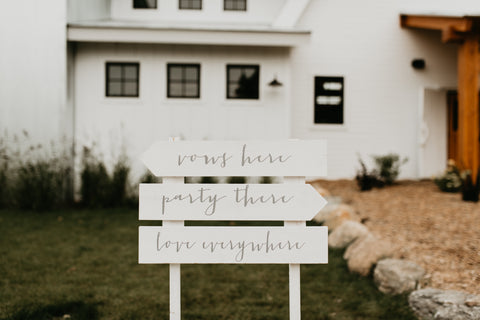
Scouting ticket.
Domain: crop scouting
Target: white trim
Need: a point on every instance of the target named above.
(254, 37)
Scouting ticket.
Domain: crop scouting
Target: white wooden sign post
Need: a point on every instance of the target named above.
(173, 202)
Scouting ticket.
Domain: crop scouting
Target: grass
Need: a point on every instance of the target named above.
(84, 264)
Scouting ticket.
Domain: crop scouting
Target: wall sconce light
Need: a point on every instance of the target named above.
(418, 64)
(275, 83)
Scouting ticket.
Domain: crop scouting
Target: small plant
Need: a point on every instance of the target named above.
(388, 167)
(450, 180)
(149, 177)
(208, 180)
(237, 180)
(366, 180)
(386, 171)
(266, 180)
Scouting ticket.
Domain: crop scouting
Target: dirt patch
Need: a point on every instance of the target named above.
(437, 230)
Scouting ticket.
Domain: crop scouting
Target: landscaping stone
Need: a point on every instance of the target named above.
(346, 233)
(364, 252)
(395, 276)
(332, 205)
(338, 216)
(321, 190)
(438, 304)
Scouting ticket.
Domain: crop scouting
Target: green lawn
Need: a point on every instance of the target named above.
(84, 264)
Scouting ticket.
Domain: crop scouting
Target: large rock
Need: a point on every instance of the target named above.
(321, 190)
(443, 305)
(332, 204)
(338, 216)
(364, 252)
(395, 276)
(346, 233)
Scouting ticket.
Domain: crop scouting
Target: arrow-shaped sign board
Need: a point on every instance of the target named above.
(285, 202)
(233, 245)
(235, 158)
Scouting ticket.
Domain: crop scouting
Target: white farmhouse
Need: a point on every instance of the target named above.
(370, 77)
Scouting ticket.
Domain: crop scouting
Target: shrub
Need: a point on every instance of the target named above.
(42, 184)
(208, 180)
(366, 180)
(149, 177)
(99, 189)
(237, 180)
(266, 180)
(450, 180)
(388, 167)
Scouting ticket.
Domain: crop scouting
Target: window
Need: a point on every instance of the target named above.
(242, 81)
(235, 5)
(183, 80)
(190, 4)
(329, 100)
(122, 79)
(145, 4)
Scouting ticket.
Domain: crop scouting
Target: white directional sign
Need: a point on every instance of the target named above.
(233, 158)
(233, 245)
(282, 202)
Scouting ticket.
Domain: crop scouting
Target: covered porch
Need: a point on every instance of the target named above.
(463, 117)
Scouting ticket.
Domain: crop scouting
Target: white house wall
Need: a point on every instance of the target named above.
(33, 70)
(363, 42)
(258, 12)
(79, 10)
(132, 124)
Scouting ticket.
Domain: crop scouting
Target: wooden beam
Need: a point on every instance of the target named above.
(468, 115)
(450, 35)
(458, 24)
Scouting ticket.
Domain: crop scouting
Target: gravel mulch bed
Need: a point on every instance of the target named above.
(436, 230)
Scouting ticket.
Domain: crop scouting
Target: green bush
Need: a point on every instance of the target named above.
(42, 185)
(236, 180)
(99, 189)
(366, 180)
(450, 180)
(208, 180)
(266, 180)
(388, 167)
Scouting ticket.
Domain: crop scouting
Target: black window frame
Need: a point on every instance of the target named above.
(328, 113)
(144, 8)
(183, 80)
(229, 81)
(235, 4)
(122, 80)
(190, 6)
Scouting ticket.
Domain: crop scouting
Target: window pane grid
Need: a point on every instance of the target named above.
(183, 81)
(236, 5)
(122, 79)
(144, 4)
(190, 4)
(243, 82)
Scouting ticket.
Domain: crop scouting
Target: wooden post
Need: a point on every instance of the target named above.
(468, 115)
(175, 271)
(294, 269)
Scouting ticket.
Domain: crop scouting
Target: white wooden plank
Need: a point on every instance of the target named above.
(295, 306)
(237, 158)
(233, 245)
(174, 269)
(229, 202)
